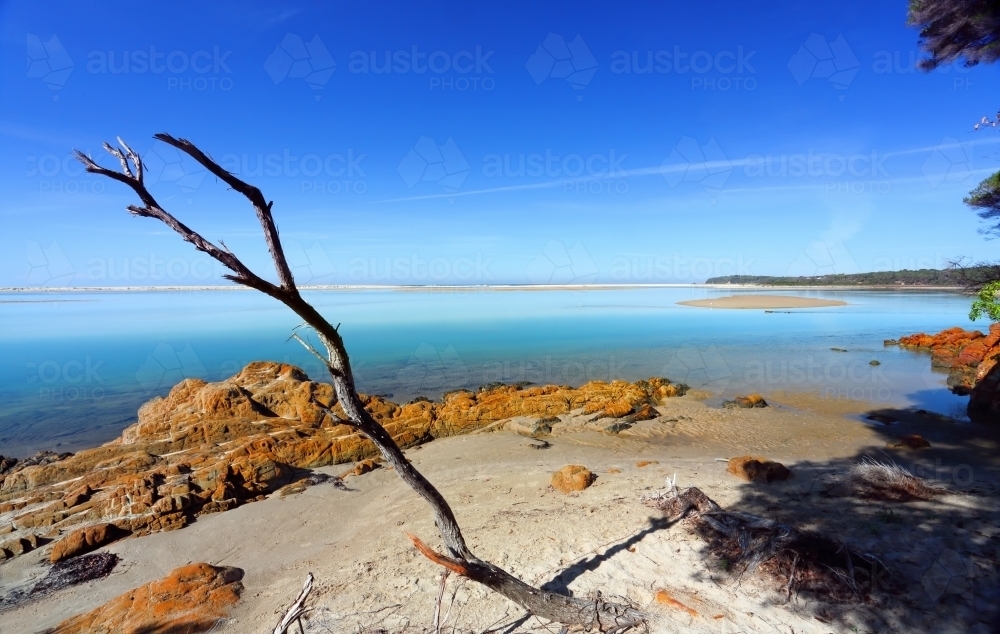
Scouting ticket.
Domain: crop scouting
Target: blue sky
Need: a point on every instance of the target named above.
(502, 143)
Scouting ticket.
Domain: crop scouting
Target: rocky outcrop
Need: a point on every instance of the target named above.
(209, 447)
(971, 360)
(572, 477)
(190, 599)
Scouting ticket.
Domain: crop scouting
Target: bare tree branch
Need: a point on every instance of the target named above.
(256, 198)
(555, 607)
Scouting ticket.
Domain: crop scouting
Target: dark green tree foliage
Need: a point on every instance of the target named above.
(952, 30)
(986, 199)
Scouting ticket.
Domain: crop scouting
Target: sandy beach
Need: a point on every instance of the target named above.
(751, 301)
(369, 578)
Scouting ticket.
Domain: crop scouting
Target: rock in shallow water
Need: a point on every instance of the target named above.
(745, 402)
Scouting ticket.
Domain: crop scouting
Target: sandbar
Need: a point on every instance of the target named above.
(762, 301)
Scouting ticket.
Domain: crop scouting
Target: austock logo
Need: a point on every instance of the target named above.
(823, 258)
(309, 61)
(951, 573)
(556, 264)
(949, 162)
(165, 164)
(310, 264)
(819, 59)
(705, 164)
(48, 266)
(700, 367)
(165, 367)
(555, 58)
(49, 62)
(429, 162)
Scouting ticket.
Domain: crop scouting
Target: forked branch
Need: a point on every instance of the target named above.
(555, 607)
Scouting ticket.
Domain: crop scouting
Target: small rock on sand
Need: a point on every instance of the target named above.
(572, 477)
(755, 469)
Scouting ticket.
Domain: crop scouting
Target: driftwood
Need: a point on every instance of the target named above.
(807, 560)
(460, 559)
(295, 611)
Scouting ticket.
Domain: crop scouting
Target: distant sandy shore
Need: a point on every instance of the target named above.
(762, 301)
(464, 288)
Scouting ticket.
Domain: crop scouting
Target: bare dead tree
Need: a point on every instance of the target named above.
(593, 614)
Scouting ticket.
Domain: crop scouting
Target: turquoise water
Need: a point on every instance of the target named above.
(75, 367)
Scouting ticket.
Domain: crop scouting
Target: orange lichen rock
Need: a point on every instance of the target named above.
(646, 463)
(572, 478)
(210, 447)
(84, 540)
(753, 469)
(190, 599)
(970, 358)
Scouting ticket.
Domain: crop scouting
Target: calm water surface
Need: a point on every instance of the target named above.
(75, 367)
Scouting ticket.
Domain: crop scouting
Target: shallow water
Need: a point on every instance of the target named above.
(75, 367)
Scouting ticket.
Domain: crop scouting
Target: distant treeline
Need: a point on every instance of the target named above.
(922, 277)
